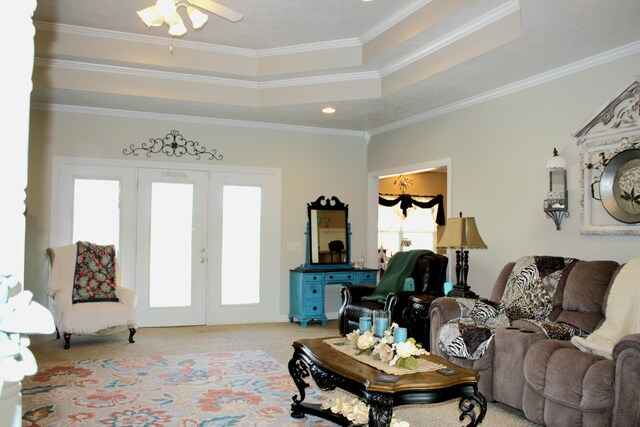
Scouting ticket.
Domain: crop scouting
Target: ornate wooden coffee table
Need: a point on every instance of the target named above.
(331, 369)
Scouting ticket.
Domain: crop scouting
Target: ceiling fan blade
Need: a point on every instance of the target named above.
(218, 9)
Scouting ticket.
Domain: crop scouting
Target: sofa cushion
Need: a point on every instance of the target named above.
(586, 285)
(584, 294)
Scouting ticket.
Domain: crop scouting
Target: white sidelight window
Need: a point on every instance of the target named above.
(96, 211)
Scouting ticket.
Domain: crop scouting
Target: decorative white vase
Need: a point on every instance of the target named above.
(11, 404)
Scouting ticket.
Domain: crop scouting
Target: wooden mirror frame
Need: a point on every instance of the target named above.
(333, 209)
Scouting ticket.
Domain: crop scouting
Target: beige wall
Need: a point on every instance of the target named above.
(499, 150)
(311, 165)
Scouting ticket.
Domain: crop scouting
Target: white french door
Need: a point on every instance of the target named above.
(172, 247)
(199, 245)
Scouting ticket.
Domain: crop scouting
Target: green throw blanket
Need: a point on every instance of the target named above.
(400, 267)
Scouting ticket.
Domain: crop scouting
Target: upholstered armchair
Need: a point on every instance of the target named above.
(428, 274)
(88, 311)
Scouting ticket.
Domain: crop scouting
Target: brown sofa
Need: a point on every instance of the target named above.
(551, 381)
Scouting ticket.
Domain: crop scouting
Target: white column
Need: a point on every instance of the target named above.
(17, 33)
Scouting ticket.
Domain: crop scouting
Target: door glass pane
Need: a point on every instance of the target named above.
(96, 211)
(241, 237)
(170, 244)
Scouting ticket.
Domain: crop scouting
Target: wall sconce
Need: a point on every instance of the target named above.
(556, 205)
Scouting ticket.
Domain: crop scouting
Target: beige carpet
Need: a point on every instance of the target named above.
(273, 338)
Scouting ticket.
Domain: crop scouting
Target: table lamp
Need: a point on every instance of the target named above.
(461, 234)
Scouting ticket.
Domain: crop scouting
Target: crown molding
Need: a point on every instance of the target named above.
(575, 67)
(362, 135)
(143, 72)
(329, 78)
(392, 20)
(205, 47)
(196, 78)
(154, 40)
(465, 30)
(309, 47)
(585, 64)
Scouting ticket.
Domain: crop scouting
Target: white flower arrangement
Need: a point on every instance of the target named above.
(402, 354)
(19, 316)
(355, 411)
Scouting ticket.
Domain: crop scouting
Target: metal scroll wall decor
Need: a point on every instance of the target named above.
(173, 145)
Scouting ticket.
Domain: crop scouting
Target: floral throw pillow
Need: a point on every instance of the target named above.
(95, 274)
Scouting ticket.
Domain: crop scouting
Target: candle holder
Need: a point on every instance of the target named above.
(365, 324)
(381, 322)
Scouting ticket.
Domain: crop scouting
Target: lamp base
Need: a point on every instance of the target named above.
(462, 292)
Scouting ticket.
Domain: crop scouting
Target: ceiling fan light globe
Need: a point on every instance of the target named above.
(174, 20)
(198, 19)
(177, 28)
(166, 8)
(151, 17)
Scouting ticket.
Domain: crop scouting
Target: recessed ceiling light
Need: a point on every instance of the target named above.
(328, 110)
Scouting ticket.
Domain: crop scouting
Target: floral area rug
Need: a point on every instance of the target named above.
(247, 388)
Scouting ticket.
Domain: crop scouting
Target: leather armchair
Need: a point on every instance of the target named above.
(428, 275)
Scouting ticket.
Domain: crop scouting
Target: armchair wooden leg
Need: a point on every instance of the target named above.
(67, 341)
(57, 334)
(132, 332)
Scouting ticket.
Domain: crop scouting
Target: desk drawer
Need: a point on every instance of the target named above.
(366, 277)
(315, 277)
(313, 307)
(312, 290)
(339, 277)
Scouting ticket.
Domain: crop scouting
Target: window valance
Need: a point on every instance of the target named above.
(407, 201)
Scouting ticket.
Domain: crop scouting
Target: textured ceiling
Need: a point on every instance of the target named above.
(380, 63)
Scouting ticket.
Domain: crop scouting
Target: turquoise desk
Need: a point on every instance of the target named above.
(306, 289)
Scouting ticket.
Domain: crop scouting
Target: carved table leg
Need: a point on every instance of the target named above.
(132, 332)
(468, 405)
(380, 410)
(298, 371)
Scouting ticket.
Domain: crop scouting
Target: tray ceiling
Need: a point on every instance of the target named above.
(380, 63)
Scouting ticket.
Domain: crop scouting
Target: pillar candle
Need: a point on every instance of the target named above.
(400, 335)
(381, 326)
(365, 324)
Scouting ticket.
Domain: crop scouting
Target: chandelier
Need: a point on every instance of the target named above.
(166, 12)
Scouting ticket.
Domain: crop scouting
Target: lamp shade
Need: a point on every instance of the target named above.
(556, 162)
(461, 233)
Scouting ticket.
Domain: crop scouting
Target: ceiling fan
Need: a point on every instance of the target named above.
(166, 11)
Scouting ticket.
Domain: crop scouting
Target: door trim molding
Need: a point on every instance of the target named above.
(372, 197)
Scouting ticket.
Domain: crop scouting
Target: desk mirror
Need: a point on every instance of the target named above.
(328, 234)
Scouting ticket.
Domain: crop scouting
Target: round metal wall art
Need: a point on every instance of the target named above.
(620, 186)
